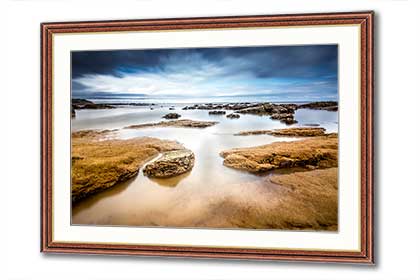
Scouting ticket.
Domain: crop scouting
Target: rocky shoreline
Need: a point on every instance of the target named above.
(283, 112)
(99, 164)
(301, 174)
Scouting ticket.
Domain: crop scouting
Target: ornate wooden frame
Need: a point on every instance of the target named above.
(364, 19)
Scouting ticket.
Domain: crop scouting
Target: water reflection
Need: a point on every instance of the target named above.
(170, 182)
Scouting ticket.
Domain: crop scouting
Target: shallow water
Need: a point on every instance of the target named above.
(190, 199)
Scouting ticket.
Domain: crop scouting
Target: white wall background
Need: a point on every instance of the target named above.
(397, 151)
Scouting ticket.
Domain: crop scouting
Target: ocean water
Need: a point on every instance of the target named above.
(191, 199)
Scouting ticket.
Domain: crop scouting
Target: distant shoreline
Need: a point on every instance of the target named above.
(132, 102)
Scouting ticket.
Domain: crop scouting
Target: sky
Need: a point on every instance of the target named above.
(279, 73)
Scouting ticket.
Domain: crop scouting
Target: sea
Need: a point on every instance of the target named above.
(193, 198)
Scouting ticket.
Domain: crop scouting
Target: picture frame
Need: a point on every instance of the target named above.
(58, 39)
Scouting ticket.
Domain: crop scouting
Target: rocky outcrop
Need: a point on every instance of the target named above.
(256, 107)
(170, 164)
(320, 152)
(171, 116)
(217, 112)
(287, 118)
(78, 103)
(139, 104)
(91, 134)
(233, 116)
(281, 112)
(226, 106)
(321, 105)
(99, 165)
(174, 123)
(268, 109)
(292, 132)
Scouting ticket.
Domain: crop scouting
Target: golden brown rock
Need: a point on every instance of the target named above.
(293, 132)
(170, 164)
(98, 165)
(174, 123)
(317, 151)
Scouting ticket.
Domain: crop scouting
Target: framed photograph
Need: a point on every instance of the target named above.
(231, 137)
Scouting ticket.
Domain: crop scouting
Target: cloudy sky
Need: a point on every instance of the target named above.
(281, 73)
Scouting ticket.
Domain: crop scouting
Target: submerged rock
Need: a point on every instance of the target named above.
(170, 164)
(171, 116)
(217, 112)
(311, 124)
(293, 132)
(174, 123)
(233, 116)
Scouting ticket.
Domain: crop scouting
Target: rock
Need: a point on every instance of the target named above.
(217, 112)
(322, 105)
(171, 108)
(194, 107)
(139, 104)
(314, 193)
(91, 134)
(311, 167)
(170, 164)
(171, 116)
(78, 103)
(292, 132)
(256, 110)
(287, 118)
(319, 151)
(101, 164)
(299, 132)
(174, 123)
(233, 116)
(269, 109)
(213, 106)
(282, 112)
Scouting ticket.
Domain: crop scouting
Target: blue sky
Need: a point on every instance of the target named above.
(281, 73)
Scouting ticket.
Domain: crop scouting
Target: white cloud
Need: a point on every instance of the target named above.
(194, 76)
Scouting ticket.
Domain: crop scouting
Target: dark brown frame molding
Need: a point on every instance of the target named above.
(364, 19)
